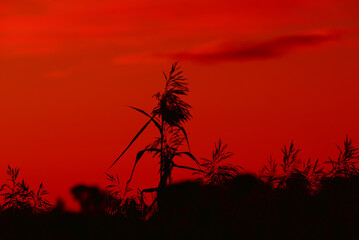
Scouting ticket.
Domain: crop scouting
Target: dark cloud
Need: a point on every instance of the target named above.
(263, 50)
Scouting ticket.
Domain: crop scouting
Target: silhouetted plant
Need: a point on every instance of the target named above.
(134, 207)
(310, 172)
(40, 204)
(270, 173)
(170, 107)
(18, 196)
(214, 171)
(345, 164)
(289, 158)
(115, 195)
(119, 202)
(91, 199)
(169, 115)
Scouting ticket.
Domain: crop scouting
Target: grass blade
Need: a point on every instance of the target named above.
(189, 155)
(148, 115)
(189, 168)
(139, 156)
(132, 141)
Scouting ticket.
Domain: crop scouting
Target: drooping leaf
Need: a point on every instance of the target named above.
(185, 135)
(189, 168)
(138, 157)
(151, 117)
(132, 141)
(189, 155)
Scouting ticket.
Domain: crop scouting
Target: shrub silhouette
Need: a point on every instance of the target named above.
(91, 199)
(345, 164)
(214, 170)
(119, 202)
(18, 196)
(308, 172)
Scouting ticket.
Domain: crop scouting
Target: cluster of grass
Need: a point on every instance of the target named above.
(18, 196)
(169, 117)
(312, 173)
(290, 170)
(289, 199)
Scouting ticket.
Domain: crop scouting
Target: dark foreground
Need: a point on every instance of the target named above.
(243, 208)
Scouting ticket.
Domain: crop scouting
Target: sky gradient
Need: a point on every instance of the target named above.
(261, 73)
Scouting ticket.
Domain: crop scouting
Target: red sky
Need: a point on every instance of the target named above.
(261, 73)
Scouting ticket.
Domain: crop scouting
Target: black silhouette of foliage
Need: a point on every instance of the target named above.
(119, 202)
(40, 203)
(346, 163)
(288, 164)
(18, 196)
(289, 157)
(170, 107)
(166, 149)
(172, 113)
(309, 202)
(90, 198)
(270, 171)
(313, 172)
(310, 172)
(114, 201)
(169, 115)
(214, 170)
(114, 187)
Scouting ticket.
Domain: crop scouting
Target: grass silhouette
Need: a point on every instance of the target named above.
(17, 195)
(290, 198)
(311, 172)
(345, 164)
(119, 202)
(169, 116)
(214, 171)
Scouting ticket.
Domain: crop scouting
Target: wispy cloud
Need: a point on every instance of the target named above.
(272, 48)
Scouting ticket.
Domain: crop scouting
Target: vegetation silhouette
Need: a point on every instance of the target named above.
(169, 116)
(118, 202)
(17, 195)
(214, 171)
(91, 199)
(345, 165)
(291, 198)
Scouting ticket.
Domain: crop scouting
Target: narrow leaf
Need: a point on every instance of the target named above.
(189, 168)
(148, 115)
(139, 156)
(185, 135)
(189, 155)
(133, 140)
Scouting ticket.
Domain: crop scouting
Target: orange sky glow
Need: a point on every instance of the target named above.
(260, 73)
